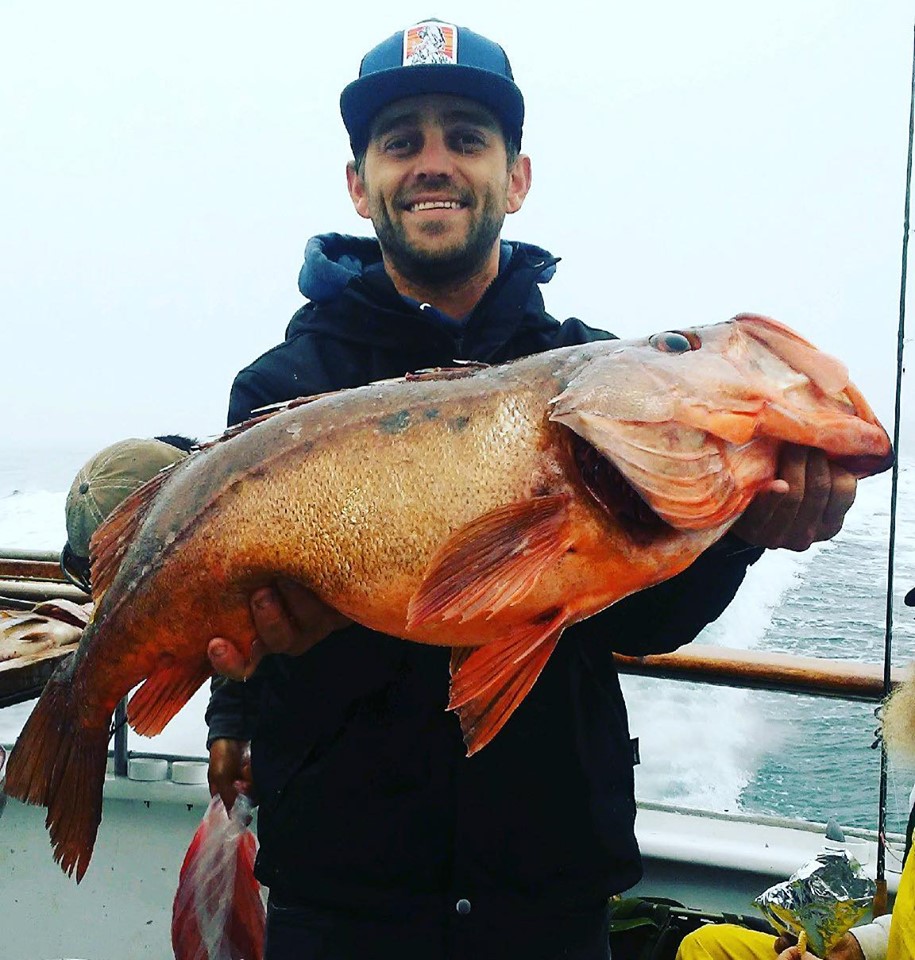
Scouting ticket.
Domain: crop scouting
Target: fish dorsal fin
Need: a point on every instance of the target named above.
(113, 538)
(493, 561)
(828, 373)
(263, 413)
(488, 683)
(466, 369)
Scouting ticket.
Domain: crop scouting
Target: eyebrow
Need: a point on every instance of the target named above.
(479, 118)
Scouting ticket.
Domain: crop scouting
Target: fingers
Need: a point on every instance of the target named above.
(275, 627)
(841, 497)
(288, 618)
(807, 503)
(313, 619)
(794, 520)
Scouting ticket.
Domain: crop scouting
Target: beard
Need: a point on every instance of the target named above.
(447, 264)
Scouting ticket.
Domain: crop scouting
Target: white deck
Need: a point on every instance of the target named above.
(122, 909)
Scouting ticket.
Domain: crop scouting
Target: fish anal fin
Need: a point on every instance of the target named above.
(164, 693)
(459, 656)
(493, 562)
(491, 682)
(113, 538)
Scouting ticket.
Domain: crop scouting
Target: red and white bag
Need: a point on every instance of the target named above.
(218, 913)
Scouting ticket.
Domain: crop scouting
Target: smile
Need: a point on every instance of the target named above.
(435, 205)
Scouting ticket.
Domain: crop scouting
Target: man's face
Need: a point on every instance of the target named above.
(436, 185)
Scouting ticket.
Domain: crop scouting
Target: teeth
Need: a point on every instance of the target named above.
(437, 205)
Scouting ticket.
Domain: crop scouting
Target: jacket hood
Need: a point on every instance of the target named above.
(334, 260)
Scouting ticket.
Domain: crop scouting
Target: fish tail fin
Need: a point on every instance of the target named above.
(60, 764)
(30, 773)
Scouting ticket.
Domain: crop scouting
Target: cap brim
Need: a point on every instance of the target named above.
(362, 99)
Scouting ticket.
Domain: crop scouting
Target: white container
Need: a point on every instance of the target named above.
(189, 771)
(147, 769)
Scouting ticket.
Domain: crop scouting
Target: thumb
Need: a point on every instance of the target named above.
(227, 660)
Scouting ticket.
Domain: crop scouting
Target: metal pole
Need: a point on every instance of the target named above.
(120, 739)
(880, 902)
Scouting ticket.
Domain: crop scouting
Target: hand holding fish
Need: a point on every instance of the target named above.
(805, 504)
(289, 619)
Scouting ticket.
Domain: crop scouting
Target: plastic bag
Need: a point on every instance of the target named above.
(218, 913)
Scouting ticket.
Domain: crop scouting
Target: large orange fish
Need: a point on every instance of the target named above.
(483, 509)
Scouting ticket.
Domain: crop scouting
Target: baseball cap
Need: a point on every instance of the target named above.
(107, 479)
(432, 57)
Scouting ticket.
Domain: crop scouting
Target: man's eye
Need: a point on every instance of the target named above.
(401, 144)
(469, 141)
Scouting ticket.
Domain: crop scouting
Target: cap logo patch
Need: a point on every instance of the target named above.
(430, 42)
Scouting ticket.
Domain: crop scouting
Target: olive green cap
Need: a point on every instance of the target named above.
(107, 479)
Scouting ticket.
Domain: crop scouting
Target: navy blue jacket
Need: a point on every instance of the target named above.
(369, 806)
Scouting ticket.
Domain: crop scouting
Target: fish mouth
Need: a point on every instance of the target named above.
(614, 494)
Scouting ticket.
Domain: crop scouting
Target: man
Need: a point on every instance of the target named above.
(379, 837)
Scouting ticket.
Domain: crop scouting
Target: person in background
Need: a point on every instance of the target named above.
(101, 484)
(890, 937)
(730, 942)
(379, 838)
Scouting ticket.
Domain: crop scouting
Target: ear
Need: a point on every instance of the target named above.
(356, 186)
(519, 182)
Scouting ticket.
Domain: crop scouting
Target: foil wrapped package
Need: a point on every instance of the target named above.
(825, 898)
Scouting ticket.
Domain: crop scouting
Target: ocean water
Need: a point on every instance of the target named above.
(707, 747)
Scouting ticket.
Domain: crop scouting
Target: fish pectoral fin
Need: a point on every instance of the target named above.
(489, 683)
(493, 561)
(164, 693)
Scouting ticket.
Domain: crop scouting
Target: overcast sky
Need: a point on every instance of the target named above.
(162, 166)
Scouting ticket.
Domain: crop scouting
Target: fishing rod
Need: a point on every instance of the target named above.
(880, 900)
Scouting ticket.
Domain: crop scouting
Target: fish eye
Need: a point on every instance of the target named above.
(672, 342)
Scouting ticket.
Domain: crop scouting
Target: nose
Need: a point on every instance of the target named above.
(435, 159)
